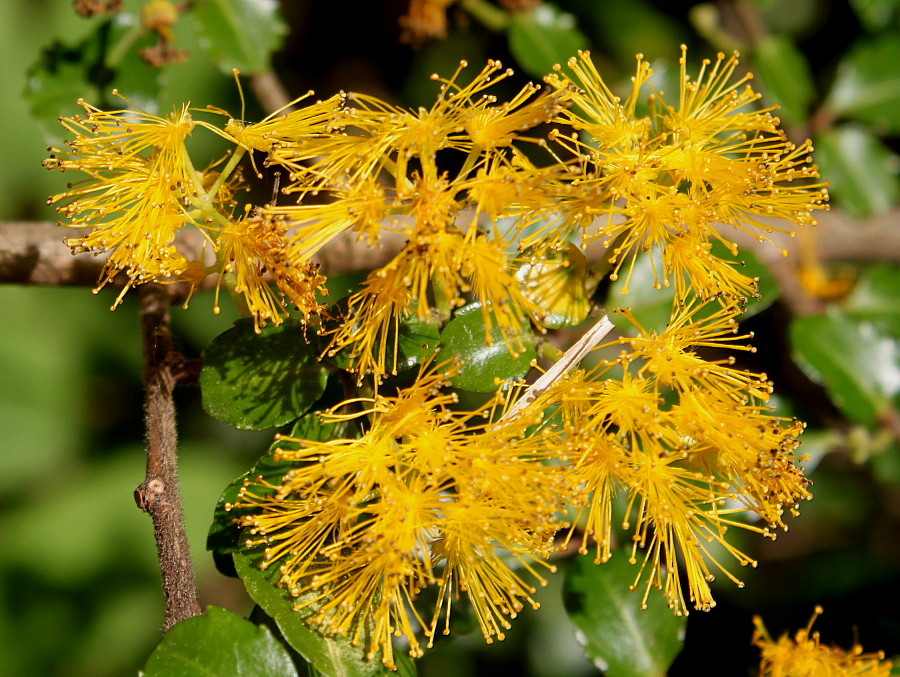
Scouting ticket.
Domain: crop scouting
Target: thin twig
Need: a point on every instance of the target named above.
(568, 361)
(158, 495)
(269, 91)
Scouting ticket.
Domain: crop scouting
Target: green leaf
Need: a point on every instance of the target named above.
(107, 58)
(482, 363)
(240, 34)
(330, 656)
(786, 77)
(874, 298)
(865, 88)
(219, 643)
(875, 14)
(620, 27)
(620, 638)
(224, 535)
(859, 366)
(543, 37)
(861, 171)
(255, 381)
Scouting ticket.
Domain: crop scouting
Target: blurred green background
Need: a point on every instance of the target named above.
(78, 574)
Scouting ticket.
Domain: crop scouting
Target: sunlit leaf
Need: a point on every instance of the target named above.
(862, 172)
(874, 298)
(240, 34)
(106, 59)
(542, 37)
(786, 77)
(219, 643)
(255, 381)
(481, 363)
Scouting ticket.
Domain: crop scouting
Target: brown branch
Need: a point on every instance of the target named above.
(158, 495)
(269, 91)
(34, 253)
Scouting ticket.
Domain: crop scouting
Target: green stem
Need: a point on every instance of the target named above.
(441, 300)
(226, 172)
(471, 158)
(240, 302)
(120, 49)
(489, 15)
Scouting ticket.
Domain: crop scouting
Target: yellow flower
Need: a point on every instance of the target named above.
(381, 173)
(670, 356)
(295, 131)
(428, 496)
(675, 176)
(135, 196)
(805, 656)
(687, 442)
(251, 250)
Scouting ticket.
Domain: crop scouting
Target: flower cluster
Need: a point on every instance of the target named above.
(690, 444)
(382, 169)
(668, 181)
(427, 496)
(493, 210)
(805, 656)
(142, 190)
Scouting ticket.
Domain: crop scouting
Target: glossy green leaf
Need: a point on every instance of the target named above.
(555, 283)
(858, 365)
(255, 381)
(224, 535)
(786, 77)
(875, 298)
(867, 87)
(240, 34)
(219, 643)
(618, 636)
(108, 58)
(861, 171)
(330, 656)
(481, 362)
(542, 37)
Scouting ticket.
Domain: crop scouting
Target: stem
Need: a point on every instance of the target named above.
(115, 55)
(236, 157)
(158, 494)
(568, 361)
(489, 15)
(442, 301)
